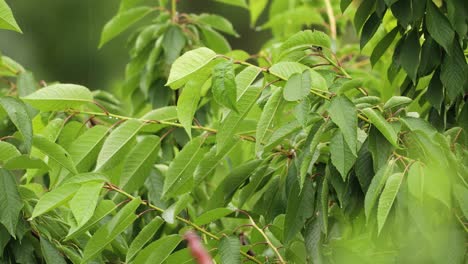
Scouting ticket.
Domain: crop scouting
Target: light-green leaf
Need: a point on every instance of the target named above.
(270, 111)
(117, 144)
(59, 97)
(10, 202)
(18, 114)
(395, 101)
(233, 119)
(188, 64)
(224, 85)
(55, 152)
(143, 237)
(7, 21)
(84, 202)
(376, 186)
(388, 197)
(382, 125)
(179, 177)
(8, 151)
(139, 162)
(122, 21)
(212, 215)
(305, 39)
(217, 22)
(54, 199)
(85, 149)
(344, 114)
(109, 231)
(284, 70)
(229, 249)
(245, 78)
(341, 155)
(256, 8)
(297, 87)
(158, 251)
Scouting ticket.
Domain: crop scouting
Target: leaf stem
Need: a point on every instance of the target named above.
(112, 187)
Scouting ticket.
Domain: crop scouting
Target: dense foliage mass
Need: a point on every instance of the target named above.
(316, 149)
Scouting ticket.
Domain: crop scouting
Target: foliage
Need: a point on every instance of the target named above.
(301, 153)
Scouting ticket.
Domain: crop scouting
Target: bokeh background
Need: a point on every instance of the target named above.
(60, 38)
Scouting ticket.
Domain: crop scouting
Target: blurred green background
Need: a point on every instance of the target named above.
(60, 38)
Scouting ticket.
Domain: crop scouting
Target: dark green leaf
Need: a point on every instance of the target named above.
(409, 56)
(383, 45)
(369, 29)
(439, 27)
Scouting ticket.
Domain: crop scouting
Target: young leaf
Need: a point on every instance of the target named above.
(342, 156)
(376, 186)
(158, 251)
(7, 21)
(187, 64)
(10, 202)
(117, 144)
(8, 151)
(84, 202)
(59, 97)
(139, 162)
(382, 125)
(18, 114)
(233, 119)
(245, 78)
(298, 86)
(143, 237)
(50, 253)
(344, 114)
(439, 27)
(54, 199)
(304, 40)
(224, 85)
(229, 249)
(179, 177)
(55, 152)
(269, 113)
(122, 21)
(212, 215)
(109, 231)
(387, 198)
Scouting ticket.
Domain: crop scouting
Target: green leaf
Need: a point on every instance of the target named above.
(224, 85)
(139, 162)
(143, 237)
(8, 151)
(50, 253)
(10, 202)
(256, 8)
(362, 13)
(415, 180)
(284, 70)
(229, 249)
(173, 43)
(232, 120)
(25, 83)
(342, 156)
(300, 207)
(7, 21)
(85, 149)
(84, 202)
(239, 3)
(369, 29)
(109, 231)
(214, 40)
(127, 4)
(59, 97)
(323, 210)
(395, 101)
(383, 45)
(304, 40)
(117, 144)
(376, 187)
(410, 54)
(179, 177)
(344, 114)
(158, 251)
(388, 197)
(298, 86)
(54, 199)
(169, 214)
(454, 72)
(439, 27)
(188, 64)
(382, 125)
(228, 187)
(87, 177)
(269, 113)
(122, 21)
(280, 134)
(212, 215)
(167, 113)
(18, 114)
(55, 152)
(245, 78)
(24, 162)
(217, 22)
(309, 155)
